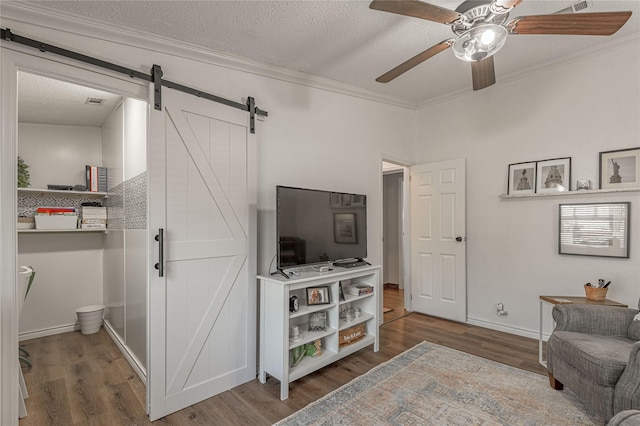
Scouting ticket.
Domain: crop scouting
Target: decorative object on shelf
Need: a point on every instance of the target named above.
(351, 335)
(522, 178)
(294, 333)
(553, 175)
(342, 298)
(620, 168)
(350, 314)
(318, 321)
(24, 178)
(583, 184)
(294, 303)
(594, 229)
(344, 228)
(308, 349)
(318, 295)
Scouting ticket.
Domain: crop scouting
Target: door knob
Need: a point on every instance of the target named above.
(459, 239)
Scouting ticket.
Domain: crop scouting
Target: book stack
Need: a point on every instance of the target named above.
(359, 289)
(93, 218)
(96, 178)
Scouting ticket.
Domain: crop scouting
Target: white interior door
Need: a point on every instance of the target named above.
(202, 312)
(438, 247)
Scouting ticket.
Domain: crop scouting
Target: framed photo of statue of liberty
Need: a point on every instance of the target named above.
(522, 178)
(620, 168)
(553, 175)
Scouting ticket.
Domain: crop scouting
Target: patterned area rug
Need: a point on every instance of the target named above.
(433, 385)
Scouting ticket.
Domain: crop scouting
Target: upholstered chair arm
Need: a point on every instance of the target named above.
(593, 319)
(627, 392)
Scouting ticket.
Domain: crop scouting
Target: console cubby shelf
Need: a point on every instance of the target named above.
(568, 193)
(306, 310)
(276, 320)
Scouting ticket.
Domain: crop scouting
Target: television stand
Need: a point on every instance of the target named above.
(351, 263)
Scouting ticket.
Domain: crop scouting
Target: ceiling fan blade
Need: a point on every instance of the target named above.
(416, 60)
(417, 9)
(599, 23)
(483, 73)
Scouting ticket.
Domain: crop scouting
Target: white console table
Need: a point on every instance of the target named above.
(276, 320)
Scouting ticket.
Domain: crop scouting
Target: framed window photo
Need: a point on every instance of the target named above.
(344, 228)
(318, 321)
(318, 295)
(553, 175)
(522, 178)
(620, 169)
(595, 229)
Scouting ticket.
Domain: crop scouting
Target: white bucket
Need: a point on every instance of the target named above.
(90, 318)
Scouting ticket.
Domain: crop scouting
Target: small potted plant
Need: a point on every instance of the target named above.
(24, 179)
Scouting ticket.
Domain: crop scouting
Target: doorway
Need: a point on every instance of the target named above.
(69, 261)
(394, 266)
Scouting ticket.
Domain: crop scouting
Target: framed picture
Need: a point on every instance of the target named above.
(318, 295)
(318, 321)
(344, 228)
(553, 175)
(522, 178)
(594, 229)
(620, 169)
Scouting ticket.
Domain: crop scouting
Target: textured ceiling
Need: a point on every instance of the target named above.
(46, 101)
(343, 41)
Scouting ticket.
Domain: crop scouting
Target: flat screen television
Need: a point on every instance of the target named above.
(315, 226)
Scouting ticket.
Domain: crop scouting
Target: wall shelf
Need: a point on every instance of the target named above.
(568, 193)
(44, 192)
(43, 231)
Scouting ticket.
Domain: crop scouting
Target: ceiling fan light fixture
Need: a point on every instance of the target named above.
(480, 42)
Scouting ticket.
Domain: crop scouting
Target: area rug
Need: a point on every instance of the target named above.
(434, 385)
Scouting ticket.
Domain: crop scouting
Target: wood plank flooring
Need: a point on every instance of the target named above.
(393, 298)
(84, 380)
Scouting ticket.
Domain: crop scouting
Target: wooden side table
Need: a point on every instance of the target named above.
(567, 300)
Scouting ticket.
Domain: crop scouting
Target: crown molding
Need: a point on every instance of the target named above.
(38, 16)
(577, 56)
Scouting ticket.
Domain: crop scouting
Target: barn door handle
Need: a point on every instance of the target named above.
(160, 265)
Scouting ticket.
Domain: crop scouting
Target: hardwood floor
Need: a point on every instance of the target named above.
(84, 380)
(393, 298)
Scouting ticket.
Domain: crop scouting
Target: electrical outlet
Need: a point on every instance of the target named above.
(500, 310)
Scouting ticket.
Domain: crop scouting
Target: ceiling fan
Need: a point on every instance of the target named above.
(481, 29)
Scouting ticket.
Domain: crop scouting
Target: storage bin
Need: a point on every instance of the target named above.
(60, 221)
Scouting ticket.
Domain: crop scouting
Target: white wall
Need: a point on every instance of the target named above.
(68, 149)
(575, 109)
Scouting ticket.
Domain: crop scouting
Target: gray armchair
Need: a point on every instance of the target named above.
(595, 352)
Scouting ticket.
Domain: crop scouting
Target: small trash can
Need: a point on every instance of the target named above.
(90, 318)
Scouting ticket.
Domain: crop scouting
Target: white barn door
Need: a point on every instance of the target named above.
(202, 193)
(438, 247)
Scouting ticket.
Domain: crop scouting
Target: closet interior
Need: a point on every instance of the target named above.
(62, 128)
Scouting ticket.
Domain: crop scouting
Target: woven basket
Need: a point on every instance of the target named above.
(595, 293)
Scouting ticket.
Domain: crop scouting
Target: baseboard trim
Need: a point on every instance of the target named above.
(129, 356)
(65, 328)
(532, 334)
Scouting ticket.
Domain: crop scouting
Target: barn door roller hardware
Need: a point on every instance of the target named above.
(155, 76)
